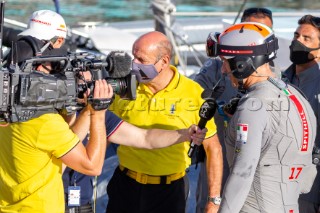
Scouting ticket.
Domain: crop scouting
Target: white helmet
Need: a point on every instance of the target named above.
(247, 46)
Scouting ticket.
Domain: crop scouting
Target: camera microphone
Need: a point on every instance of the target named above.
(119, 64)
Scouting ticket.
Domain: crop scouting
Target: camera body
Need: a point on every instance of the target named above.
(26, 93)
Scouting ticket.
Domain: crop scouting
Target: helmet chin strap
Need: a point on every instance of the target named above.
(241, 88)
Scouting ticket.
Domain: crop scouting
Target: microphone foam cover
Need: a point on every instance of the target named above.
(119, 64)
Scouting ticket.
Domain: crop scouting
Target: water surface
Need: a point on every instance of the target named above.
(123, 10)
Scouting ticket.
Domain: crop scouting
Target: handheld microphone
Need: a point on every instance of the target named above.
(206, 112)
(209, 107)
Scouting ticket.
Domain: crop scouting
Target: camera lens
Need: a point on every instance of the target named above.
(118, 85)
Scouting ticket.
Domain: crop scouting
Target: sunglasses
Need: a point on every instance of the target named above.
(214, 49)
(255, 10)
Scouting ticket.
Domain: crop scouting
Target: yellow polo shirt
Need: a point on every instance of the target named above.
(175, 107)
(30, 171)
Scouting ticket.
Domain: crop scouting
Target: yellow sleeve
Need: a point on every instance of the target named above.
(56, 137)
(212, 128)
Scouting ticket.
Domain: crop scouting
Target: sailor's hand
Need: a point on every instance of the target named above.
(196, 134)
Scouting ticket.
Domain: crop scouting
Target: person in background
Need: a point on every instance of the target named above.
(304, 73)
(153, 180)
(269, 157)
(208, 77)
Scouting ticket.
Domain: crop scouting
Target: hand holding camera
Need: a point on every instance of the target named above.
(102, 95)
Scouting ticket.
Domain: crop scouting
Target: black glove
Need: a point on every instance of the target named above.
(231, 107)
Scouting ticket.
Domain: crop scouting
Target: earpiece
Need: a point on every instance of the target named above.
(243, 66)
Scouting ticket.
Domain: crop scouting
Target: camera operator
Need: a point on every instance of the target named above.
(46, 30)
(33, 151)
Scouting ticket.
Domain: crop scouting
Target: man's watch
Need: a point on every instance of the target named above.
(214, 200)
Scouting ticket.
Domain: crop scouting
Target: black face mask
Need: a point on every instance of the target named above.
(299, 52)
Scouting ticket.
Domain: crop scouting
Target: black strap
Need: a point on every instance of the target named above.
(33, 43)
(70, 177)
(125, 170)
(163, 179)
(80, 209)
(101, 103)
(262, 49)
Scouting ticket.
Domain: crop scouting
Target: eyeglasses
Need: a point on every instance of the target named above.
(255, 10)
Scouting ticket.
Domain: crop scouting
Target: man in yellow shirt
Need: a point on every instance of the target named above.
(152, 180)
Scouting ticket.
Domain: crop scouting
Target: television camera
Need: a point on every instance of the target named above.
(26, 93)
